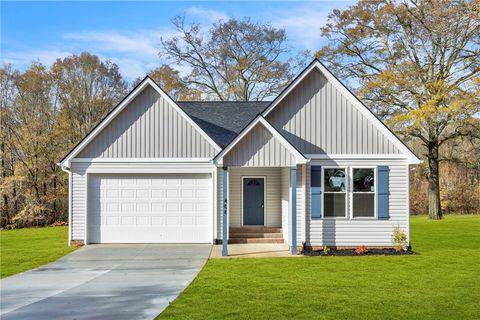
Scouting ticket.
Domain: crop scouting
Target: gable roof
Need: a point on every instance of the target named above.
(261, 120)
(222, 121)
(147, 81)
(354, 100)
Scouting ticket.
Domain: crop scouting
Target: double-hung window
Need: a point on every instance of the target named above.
(363, 192)
(335, 192)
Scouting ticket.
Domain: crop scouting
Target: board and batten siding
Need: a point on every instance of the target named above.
(149, 127)
(318, 119)
(259, 148)
(370, 231)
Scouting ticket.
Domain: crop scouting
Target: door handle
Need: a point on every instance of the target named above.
(262, 203)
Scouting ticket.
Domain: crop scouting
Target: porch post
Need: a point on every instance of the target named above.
(293, 182)
(224, 213)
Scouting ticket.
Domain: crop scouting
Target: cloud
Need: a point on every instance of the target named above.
(112, 41)
(134, 52)
(303, 23)
(207, 14)
(23, 59)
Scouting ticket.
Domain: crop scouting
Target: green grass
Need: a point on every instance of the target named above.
(24, 249)
(441, 282)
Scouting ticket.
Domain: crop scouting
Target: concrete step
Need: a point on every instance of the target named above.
(255, 229)
(255, 240)
(255, 235)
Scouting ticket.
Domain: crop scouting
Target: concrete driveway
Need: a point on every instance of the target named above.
(103, 282)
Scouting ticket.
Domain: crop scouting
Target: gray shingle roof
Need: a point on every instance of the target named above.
(222, 121)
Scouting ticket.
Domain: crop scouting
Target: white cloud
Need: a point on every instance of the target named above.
(134, 52)
(139, 44)
(206, 14)
(303, 23)
(23, 59)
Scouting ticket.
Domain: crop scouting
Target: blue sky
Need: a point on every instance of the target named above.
(128, 33)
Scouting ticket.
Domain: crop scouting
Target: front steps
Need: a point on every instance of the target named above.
(255, 235)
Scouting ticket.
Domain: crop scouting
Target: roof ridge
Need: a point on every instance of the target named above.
(233, 101)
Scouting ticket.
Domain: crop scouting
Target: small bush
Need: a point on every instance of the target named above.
(326, 250)
(399, 239)
(361, 250)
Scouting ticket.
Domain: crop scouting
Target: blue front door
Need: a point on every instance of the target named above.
(253, 201)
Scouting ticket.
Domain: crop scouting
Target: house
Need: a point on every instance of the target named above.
(312, 167)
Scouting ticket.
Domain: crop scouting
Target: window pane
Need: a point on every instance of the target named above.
(334, 180)
(363, 205)
(363, 180)
(334, 205)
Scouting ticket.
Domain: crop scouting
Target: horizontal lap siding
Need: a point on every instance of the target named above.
(149, 127)
(259, 148)
(372, 232)
(219, 202)
(300, 205)
(286, 203)
(79, 196)
(317, 119)
(273, 209)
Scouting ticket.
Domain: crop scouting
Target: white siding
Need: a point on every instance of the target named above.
(79, 179)
(79, 196)
(300, 206)
(370, 232)
(273, 209)
(149, 127)
(286, 218)
(317, 119)
(259, 148)
(219, 203)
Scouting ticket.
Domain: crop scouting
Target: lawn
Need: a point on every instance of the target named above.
(441, 282)
(24, 249)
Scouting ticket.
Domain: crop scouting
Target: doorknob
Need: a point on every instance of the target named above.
(262, 203)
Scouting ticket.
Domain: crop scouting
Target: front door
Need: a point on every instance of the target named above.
(253, 201)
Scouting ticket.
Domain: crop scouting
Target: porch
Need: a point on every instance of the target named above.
(258, 210)
(257, 185)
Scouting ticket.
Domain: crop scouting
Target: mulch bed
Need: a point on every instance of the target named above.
(351, 252)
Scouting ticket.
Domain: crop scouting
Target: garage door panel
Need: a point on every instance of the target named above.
(161, 208)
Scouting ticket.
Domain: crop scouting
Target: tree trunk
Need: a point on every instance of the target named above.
(434, 206)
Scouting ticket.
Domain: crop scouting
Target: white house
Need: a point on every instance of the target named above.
(314, 167)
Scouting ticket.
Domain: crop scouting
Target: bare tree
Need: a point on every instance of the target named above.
(87, 89)
(171, 82)
(234, 60)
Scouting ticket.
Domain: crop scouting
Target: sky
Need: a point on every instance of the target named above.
(128, 33)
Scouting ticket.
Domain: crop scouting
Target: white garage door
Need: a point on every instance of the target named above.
(150, 208)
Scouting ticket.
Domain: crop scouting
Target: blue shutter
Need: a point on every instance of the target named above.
(316, 192)
(382, 205)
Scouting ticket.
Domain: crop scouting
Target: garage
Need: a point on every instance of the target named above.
(150, 208)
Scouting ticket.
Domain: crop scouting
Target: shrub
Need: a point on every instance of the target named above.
(361, 250)
(399, 239)
(326, 250)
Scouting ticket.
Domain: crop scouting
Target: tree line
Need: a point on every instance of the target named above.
(416, 64)
(44, 112)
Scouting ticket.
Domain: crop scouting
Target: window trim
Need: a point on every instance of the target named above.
(347, 182)
(351, 192)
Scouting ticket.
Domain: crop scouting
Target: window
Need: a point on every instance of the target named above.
(363, 193)
(335, 195)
